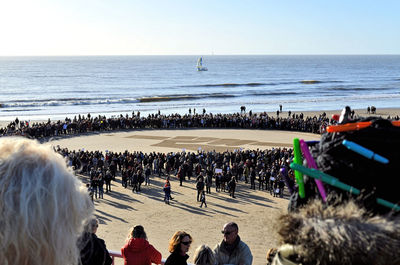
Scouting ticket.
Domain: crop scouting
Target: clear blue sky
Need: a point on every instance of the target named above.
(136, 27)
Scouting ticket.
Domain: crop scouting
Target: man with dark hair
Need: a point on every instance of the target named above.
(232, 250)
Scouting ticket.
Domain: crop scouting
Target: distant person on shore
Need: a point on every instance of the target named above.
(203, 255)
(232, 250)
(93, 249)
(138, 251)
(179, 245)
(42, 205)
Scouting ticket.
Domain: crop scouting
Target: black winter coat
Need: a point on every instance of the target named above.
(93, 250)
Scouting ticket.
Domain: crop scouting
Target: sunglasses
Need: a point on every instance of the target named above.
(227, 232)
(186, 243)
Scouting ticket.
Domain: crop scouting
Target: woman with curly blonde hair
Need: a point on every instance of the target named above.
(179, 245)
(43, 206)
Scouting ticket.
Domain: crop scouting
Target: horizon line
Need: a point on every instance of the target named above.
(244, 54)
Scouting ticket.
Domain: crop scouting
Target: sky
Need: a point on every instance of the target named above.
(187, 27)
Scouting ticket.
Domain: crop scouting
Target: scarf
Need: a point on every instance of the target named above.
(229, 248)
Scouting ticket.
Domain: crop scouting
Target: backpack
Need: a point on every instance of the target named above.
(374, 179)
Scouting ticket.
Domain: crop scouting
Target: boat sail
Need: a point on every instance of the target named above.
(200, 66)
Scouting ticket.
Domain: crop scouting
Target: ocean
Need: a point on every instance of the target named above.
(37, 88)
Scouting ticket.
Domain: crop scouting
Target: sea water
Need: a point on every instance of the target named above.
(57, 87)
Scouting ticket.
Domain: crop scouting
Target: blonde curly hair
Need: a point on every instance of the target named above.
(43, 206)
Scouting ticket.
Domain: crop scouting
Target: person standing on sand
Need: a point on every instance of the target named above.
(203, 199)
(232, 250)
(108, 179)
(167, 191)
(232, 187)
(180, 176)
(208, 182)
(200, 187)
(147, 175)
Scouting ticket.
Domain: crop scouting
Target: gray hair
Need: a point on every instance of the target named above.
(90, 225)
(203, 255)
(43, 205)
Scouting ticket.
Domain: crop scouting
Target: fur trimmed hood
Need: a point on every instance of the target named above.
(342, 234)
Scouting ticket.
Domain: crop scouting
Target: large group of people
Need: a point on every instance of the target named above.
(268, 168)
(47, 218)
(81, 124)
(46, 215)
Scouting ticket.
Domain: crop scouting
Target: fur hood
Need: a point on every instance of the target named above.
(341, 234)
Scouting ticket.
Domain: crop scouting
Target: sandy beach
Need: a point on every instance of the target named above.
(254, 211)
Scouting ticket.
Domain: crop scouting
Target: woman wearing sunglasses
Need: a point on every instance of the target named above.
(179, 245)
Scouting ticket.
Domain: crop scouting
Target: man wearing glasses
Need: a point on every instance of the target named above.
(232, 250)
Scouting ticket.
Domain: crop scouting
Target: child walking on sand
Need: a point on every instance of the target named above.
(167, 191)
(203, 199)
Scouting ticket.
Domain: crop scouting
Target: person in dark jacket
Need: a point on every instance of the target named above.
(179, 245)
(200, 187)
(93, 250)
(232, 187)
(138, 251)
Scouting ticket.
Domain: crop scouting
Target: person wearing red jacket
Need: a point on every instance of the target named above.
(138, 251)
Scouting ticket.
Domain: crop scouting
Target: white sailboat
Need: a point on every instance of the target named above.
(200, 66)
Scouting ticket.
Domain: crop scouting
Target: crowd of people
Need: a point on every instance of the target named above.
(38, 191)
(47, 216)
(257, 169)
(81, 124)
